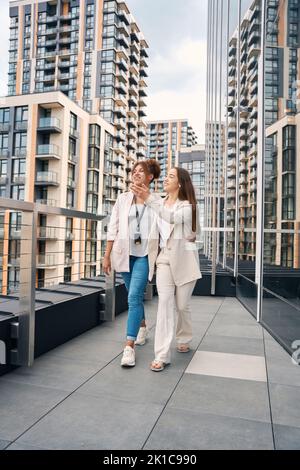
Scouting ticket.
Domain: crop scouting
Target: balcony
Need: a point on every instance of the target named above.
(49, 124)
(21, 125)
(18, 179)
(47, 233)
(48, 152)
(15, 233)
(47, 178)
(48, 261)
(47, 202)
(5, 127)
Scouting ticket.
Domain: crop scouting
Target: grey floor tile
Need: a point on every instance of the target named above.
(182, 430)
(281, 369)
(241, 331)
(101, 349)
(94, 423)
(285, 405)
(222, 396)
(19, 446)
(235, 319)
(233, 345)
(286, 438)
(22, 405)
(135, 385)
(4, 444)
(55, 372)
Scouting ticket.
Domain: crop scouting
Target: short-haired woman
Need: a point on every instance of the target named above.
(127, 252)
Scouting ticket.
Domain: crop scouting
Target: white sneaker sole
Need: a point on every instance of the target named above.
(140, 343)
(132, 364)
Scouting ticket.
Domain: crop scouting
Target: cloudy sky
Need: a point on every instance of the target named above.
(176, 33)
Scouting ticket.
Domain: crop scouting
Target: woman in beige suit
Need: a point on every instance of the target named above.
(177, 263)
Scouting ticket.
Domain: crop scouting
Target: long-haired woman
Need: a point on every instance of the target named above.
(127, 252)
(177, 263)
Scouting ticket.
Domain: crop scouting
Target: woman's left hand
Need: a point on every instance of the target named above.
(141, 191)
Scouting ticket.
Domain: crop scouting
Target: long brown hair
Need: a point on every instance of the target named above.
(187, 192)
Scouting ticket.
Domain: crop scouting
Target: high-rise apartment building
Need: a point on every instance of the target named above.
(164, 140)
(71, 126)
(92, 51)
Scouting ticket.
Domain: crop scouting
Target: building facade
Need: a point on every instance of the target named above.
(71, 127)
(164, 140)
(192, 159)
(92, 51)
(55, 153)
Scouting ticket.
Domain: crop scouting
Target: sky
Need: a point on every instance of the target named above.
(176, 33)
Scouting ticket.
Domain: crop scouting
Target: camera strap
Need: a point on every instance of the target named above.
(139, 216)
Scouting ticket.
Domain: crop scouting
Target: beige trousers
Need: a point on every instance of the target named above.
(170, 299)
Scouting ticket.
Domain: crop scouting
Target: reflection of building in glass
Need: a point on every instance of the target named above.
(281, 164)
(214, 180)
(193, 160)
(282, 24)
(164, 139)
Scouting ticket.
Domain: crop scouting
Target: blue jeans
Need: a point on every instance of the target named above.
(136, 281)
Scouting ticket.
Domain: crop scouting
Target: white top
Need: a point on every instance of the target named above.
(165, 227)
(145, 227)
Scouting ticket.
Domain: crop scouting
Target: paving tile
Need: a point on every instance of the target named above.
(185, 430)
(285, 405)
(134, 385)
(4, 444)
(241, 331)
(281, 369)
(56, 372)
(237, 366)
(93, 423)
(286, 437)
(222, 396)
(233, 345)
(96, 351)
(20, 446)
(22, 405)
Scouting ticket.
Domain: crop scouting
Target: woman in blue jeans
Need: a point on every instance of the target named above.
(127, 252)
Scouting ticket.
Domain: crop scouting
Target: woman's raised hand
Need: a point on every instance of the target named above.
(141, 191)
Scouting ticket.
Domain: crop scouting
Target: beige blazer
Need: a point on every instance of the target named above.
(118, 232)
(183, 251)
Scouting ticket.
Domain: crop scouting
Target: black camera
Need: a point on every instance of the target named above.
(137, 238)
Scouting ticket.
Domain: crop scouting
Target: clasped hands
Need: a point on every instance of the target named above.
(140, 190)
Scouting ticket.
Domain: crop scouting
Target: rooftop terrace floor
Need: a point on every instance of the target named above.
(236, 389)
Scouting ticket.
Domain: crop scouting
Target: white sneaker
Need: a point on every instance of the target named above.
(128, 359)
(142, 336)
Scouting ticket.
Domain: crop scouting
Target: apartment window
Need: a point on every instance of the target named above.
(73, 122)
(92, 203)
(109, 55)
(3, 168)
(21, 114)
(17, 192)
(70, 198)
(106, 91)
(3, 143)
(4, 115)
(20, 143)
(93, 182)
(94, 135)
(72, 147)
(18, 167)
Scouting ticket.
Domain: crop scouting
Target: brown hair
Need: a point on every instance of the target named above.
(150, 167)
(187, 192)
